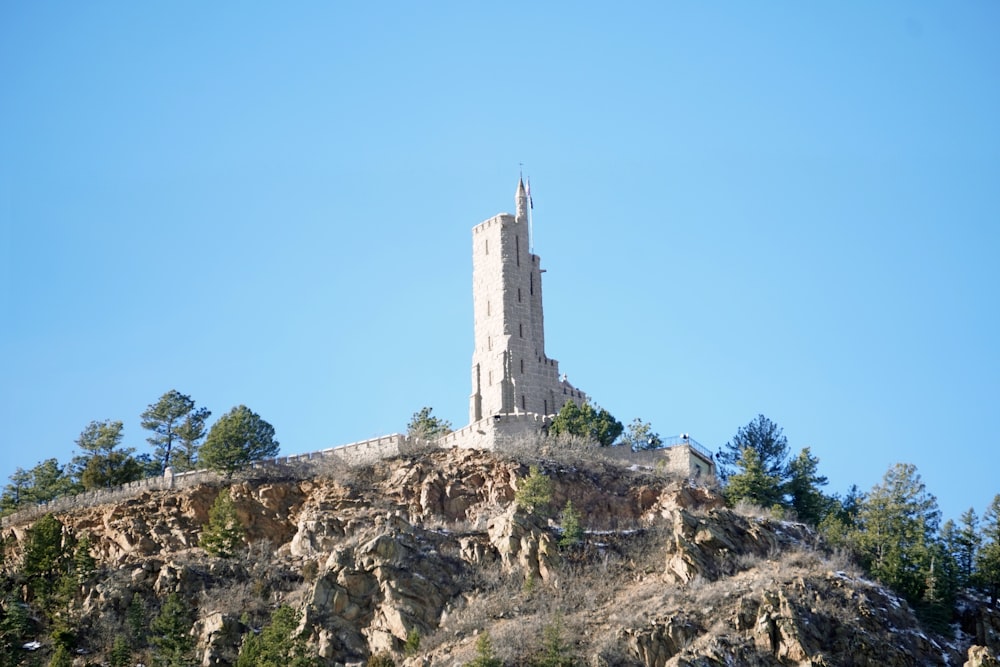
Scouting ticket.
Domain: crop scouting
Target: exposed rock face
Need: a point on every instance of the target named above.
(369, 598)
(524, 544)
(979, 656)
(707, 544)
(434, 547)
(218, 636)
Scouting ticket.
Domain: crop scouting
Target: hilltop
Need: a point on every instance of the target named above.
(418, 557)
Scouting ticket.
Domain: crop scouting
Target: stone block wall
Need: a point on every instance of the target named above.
(364, 452)
(511, 372)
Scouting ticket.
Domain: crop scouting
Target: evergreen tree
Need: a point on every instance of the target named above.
(14, 627)
(426, 426)
(44, 482)
(17, 492)
(766, 439)
(45, 558)
(412, 645)
(485, 656)
(136, 622)
(121, 654)
(896, 529)
(802, 488)
(170, 634)
(962, 545)
(556, 652)
(640, 436)
(752, 483)
(239, 437)
(988, 559)
(104, 464)
(189, 435)
(586, 421)
(223, 534)
(61, 657)
(572, 531)
(165, 419)
(84, 563)
(277, 645)
(534, 492)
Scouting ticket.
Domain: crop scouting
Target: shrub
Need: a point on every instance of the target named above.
(555, 651)
(485, 657)
(572, 531)
(534, 493)
(309, 570)
(223, 534)
(412, 642)
(383, 659)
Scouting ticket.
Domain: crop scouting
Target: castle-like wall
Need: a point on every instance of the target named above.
(364, 452)
(494, 432)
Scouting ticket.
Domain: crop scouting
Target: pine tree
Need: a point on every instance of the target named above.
(105, 463)
(170, 634)
(640, 436)
(485, 656)
(752, 483)
(189, 435)
(896, 529)
(556, 652)
(136, 623)
(802, 488)
(223, 534)
(766, 439)
(17, 492)
(962, 545)
(534, 492)
(61, 657)
(988, 560)
(277, 645)
(586, 421)
(239, 437)
(425, 426)
(45, 558)
(121, 654)
(572, 531)
(14, 626)
(84, 563)
(165, 419)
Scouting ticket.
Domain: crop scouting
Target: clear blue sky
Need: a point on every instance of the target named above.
(780, 208)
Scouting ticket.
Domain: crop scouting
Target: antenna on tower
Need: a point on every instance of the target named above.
(531, 231)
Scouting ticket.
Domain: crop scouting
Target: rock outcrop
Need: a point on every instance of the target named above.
(433, 547)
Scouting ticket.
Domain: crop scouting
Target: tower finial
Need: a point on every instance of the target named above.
(521, 201)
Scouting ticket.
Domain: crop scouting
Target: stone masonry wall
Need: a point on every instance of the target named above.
(511, 372)
(492, 433)
(360, 453)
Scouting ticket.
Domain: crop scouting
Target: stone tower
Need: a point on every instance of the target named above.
(510, 371)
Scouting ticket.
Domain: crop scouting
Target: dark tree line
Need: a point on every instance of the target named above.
(179, 439)
(894, 530)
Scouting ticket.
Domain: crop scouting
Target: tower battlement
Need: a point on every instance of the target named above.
(511, 373)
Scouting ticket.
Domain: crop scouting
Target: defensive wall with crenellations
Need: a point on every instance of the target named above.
(496, 433)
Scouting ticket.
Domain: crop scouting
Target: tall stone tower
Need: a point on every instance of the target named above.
(510, 370)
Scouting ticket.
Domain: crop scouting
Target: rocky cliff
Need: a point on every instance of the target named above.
(432, 547)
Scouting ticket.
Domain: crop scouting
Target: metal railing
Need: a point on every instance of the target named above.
(686, 439)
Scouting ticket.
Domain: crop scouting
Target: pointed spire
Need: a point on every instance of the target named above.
(521, 201)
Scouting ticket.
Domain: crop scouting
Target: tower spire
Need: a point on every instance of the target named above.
(521, 201)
